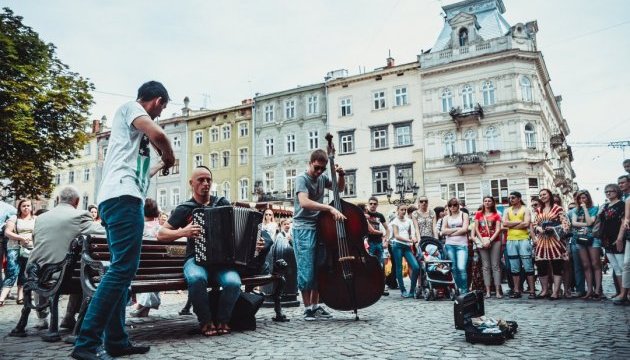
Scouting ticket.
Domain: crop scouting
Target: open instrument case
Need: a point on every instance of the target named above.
(471, 305)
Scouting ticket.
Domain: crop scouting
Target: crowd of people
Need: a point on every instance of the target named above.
(562, 246)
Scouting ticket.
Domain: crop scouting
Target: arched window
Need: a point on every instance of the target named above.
(526, 89)
(226, 189)
(492, 138)
(488, 93)
(467, 97)
(243, 189)
(463, 37)
(471, 141)
(447, 100)
(530, 136)
(449, 144)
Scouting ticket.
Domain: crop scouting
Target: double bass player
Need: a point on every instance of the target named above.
(308, 203)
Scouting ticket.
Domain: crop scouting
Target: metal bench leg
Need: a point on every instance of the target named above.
(277, 296)
(20, 328)
(77, 327)
(53, 329)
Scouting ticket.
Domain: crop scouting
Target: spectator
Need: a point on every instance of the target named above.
(549, 247)
(486, 233)
(611, 217)
(626, 165)
(576, 261)
(625, 290)
(455, 229)
(624, 183)
(148, 301)
(517, 220)
(163, 217)
(404, 236)
(93, 209)
(590, 247)
(269, 223)
(6, 211)
(424, 220)
(19, 231)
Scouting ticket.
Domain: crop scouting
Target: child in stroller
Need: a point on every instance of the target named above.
(436, 277)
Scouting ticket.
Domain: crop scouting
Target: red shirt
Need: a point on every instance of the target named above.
(492, 223)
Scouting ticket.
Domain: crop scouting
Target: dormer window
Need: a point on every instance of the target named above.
(463, 37)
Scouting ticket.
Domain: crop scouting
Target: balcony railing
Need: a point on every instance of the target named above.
(468, 160)
(559, 178)
(556, 140)
(470, 115)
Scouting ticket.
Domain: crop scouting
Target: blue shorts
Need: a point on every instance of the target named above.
(597, 243)
(519, 254)
(304, 246)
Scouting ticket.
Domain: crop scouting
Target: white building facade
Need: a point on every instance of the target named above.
(376, 121)
(492, 124)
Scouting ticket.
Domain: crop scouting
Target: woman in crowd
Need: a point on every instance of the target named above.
(148, 301)
(403, 239)
(424, 219)
(486, 234)
(455, 229)
(162, 218)
(269, 223)
(590, 247)
(611, 218)
(19, 231)
(549, 248)
(93, 209)
(625, 289)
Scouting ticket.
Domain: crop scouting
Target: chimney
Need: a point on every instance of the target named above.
(96, 126)
(390, 60)
(186, 109)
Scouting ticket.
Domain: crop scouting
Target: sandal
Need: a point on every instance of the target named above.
(487, 296)
(2, 303)
(587, 296)
(224, 330)
(19, 301)
(515, 295)
(532, 296)
(209, 330)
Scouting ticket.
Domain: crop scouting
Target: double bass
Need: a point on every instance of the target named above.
(350, 278)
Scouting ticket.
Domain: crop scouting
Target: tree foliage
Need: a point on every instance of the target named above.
(43, 110)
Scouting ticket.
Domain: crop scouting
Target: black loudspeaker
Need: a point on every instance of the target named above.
(245, 309)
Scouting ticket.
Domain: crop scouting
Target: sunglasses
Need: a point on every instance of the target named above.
(319, 168)
(423, 201)
(373, 203)
(453, 205)
(609, 191)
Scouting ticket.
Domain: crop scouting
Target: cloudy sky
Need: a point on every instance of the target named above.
(220, 52)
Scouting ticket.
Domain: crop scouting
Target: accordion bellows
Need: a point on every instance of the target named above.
(228, 235)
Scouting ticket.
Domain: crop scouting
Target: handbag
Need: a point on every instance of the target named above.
(597, 225)
(485, 240)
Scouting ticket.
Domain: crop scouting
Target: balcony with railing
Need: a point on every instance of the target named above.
(556, 140)
(469, 116)
(559, 177)
(470, 160)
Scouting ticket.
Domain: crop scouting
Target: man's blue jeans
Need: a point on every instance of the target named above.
(376, 250)
(123, 219)
(578, 271)
(401, 250)
(198, 279)
(458, 254)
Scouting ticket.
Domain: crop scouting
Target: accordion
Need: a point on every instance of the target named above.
(228, 235)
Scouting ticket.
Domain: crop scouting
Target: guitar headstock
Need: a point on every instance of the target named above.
(330, 149)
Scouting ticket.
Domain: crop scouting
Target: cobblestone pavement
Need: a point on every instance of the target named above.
(393, 328)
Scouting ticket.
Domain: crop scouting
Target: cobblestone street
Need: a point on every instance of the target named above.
(394, 328)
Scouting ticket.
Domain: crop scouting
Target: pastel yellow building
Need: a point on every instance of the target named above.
(222, 141)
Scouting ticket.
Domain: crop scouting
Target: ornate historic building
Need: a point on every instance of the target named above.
(492, 123)
(288, 126)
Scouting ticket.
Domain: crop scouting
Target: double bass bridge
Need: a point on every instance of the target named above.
(346, 258)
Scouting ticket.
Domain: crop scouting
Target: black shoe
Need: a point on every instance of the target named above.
(84, 354)
(68, 323)
(129, 350)
(185, 312)
(385, 292)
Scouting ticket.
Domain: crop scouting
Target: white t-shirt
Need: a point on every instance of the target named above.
(126, 168)
(405, 230)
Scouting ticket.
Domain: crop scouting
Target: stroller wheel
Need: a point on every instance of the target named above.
(426, 293)
(434, 292)
(452, 294)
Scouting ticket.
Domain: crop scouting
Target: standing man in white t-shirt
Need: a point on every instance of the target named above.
(121, 196)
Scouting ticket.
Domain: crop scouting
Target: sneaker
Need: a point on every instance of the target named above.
(320, 312)
(406, 295)
(309, 315)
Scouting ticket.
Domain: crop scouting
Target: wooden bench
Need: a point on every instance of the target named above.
(161, 269)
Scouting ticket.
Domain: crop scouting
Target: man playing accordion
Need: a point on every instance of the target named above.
(179, 225)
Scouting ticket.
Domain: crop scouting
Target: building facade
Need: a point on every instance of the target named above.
(222, 141)
(288, 126)
(492, 123)
(80, 172)
(376, 120)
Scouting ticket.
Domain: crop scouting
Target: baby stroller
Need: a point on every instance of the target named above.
(436, 279)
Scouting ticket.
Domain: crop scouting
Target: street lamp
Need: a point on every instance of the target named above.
(401, 191)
